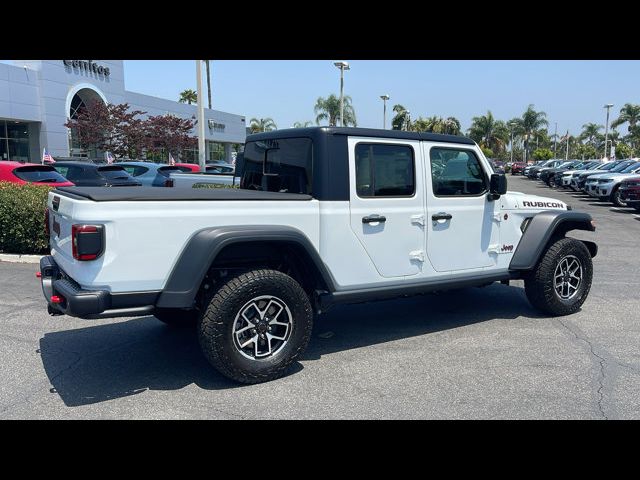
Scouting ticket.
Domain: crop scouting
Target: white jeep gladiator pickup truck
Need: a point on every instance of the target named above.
(324, 216)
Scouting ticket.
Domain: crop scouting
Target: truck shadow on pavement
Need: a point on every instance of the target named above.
(127, 357)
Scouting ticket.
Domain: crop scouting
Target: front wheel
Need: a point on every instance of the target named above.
(560, 282)
(616, 199)
(256, 325)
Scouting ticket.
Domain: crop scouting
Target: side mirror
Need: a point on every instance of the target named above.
(498, 185)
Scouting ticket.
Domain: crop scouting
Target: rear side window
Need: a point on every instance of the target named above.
(134, 170)
(456, 172)
(384, 170)
(167, 170)
(39, 174)
(278, 165)
(113, 173)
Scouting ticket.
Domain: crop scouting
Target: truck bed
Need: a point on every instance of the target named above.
(150, 194)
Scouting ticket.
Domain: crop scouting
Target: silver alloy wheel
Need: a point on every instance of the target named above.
(567, 277)
(262, 327)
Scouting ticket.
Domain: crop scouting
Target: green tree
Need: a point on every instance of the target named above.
(487, 152)
(591, 133)
(451, 126)
(262, 125)
(624, 150)
(630, 114)
(530, 122)
(489, 133)
(188, 96)
(305, 124)
(542, 154)
(399, 120)
(329, 109)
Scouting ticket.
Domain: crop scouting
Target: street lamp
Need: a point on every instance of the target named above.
(606, 128)
(513, 126)
(408, 120)
(342, 66)
(384, 113)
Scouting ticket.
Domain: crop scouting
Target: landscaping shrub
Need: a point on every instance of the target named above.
(22, 218)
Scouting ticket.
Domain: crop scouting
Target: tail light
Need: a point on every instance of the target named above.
(87, 241)
(46, 222)
(168, 182)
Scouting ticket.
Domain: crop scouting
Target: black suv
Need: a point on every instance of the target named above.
(85, 174)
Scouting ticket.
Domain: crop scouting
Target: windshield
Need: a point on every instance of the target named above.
(607, 166)
(39, 174)
(631, 168)
(621, 166)
(114, 173)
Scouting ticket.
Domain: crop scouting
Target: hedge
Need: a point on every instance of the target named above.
(22, 218)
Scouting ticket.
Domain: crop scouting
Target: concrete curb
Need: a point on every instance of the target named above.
(16, 258)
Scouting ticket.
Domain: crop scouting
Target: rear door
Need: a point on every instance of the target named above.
(463, 229)
(387, 203)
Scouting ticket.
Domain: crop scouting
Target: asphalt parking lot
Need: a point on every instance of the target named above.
(475, 353)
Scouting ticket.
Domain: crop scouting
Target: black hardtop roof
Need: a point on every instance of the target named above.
(317, 132)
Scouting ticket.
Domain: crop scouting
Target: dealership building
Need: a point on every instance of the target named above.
(37, 97)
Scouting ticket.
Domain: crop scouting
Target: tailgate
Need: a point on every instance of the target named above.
(60, 221)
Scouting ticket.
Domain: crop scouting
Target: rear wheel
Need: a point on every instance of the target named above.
(256, 325)
(560, 282)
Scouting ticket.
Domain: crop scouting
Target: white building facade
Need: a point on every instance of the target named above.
(37, 97)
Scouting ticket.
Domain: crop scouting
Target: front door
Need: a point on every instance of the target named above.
(462, 229)
(387, 203)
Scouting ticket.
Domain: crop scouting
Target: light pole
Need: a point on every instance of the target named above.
(384, 112)
(606, 128)
(408, 120)
(342, 66)
(511, 142)
(567, 157)
(201, 144)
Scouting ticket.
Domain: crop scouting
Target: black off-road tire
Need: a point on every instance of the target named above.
(215, 328)
(176, 317)
(539, 286)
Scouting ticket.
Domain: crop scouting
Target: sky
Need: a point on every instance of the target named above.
(572, 93)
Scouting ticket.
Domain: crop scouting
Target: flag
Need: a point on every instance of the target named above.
(108, 157)
(46, 157)
(172, 162)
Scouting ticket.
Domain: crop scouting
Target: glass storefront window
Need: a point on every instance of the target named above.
(14, 141)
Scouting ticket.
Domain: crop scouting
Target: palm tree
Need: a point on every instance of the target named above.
(329, 109)
(262, 125)
(188, 96)
(451, 126)
(305, 124)
(628, 114)
(399, 120)
(591, 133)
(529, 124)
(489, 133)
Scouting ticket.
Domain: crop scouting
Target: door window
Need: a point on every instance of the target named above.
(456, 172)
(385, 170)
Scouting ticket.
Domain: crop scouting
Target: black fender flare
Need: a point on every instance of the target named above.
(542, 227)
(203, 247)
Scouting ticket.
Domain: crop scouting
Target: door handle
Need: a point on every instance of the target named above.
(441, 216)
(374, 219)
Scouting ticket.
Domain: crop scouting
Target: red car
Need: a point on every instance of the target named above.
(22, 173)
(517, 168)
(188, 167)
(630, 192)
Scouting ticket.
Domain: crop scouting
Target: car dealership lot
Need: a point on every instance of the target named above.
(475, 353)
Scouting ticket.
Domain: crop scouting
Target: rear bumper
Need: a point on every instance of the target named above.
(78, 302)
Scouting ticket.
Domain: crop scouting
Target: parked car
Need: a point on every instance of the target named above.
(88, 174)
(221, 168)
(498, 166)
(188, 167)
(579, 180)
(630, 192)
(533, 170)
(591, 184)
(608, 188)
(518, 168)
(151, 174)
(21, 173)
(547, 175)
(548, 166)
(567, 175)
